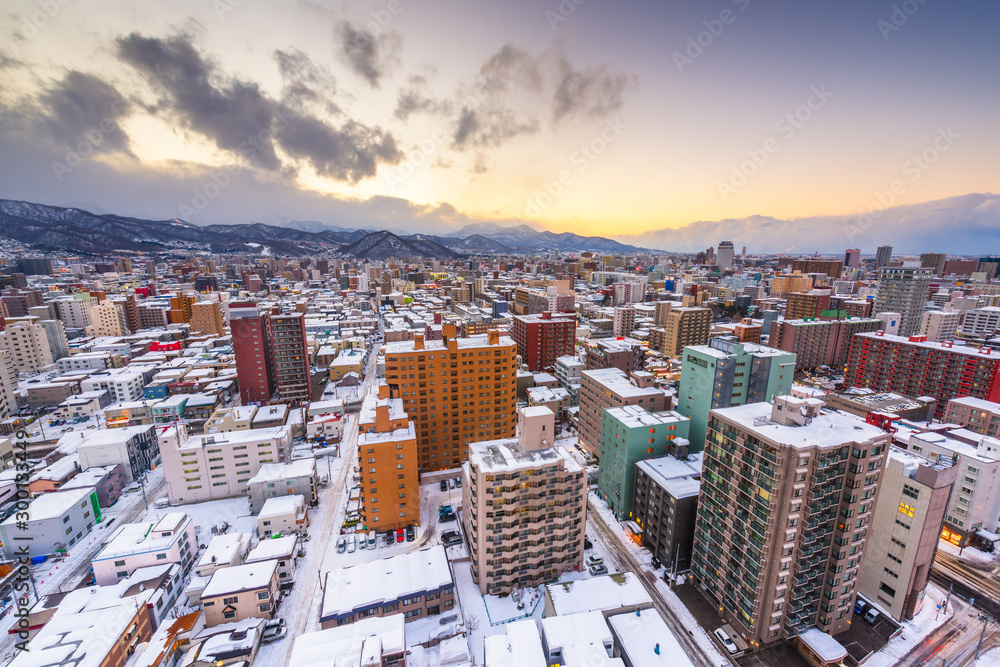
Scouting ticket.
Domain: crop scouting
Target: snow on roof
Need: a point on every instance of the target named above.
(281, 506)
(583, 638)
(384, 580)
(222, 548)
(52, 505)
(471, 342)
(508, 454)
(409, 432)
(640, 635)
(342, 646)
(273, 548)
(604, 593)
(222, 641)
(273, 472)
(520, 647)
(114, 436)
(826, 430)
(614, 380)
(823, 645)
(234, 437)
(144, 537)
(977, 403)
(246, 577)
(635, 416)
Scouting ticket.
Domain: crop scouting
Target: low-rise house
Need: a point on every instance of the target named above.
(54, 476)
(243, 591)
(170, 540)
(135, 447)
(56, 521)
(378, 641)
(108, 481)
(225, 420)
(271, 416)
(275, 480)
(287, 514)
(283, 549)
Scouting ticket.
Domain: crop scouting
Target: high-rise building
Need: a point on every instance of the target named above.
(726, 373)
(291, 357)
(251, 331)
(8, 384)
(981, 321)
(811, 304)
(630, 434)
(726, 251)
(28, 343)
(787, 494)
(152, 317)
(624, 321)
(661, 312)
(387, 458)
(975, 414)
(541, 339)
(456, 391)
(35, 266)
(934, 261)
(665, 506)
(940, 325)
(107, 319)
(990, 266)
(831, 267)
(206, 318)
(628, 355)
(17, 302)
(75, 311)
(55, 332)
(609, 388)
(818, 342)
(906, 529)
(915, 366)
(852, 258)
(786, 283)
(883, 256)
(904, 290)
(180, 307)
(526, 507)
(686, 326)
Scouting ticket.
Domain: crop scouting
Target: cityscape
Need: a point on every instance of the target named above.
(560, 334)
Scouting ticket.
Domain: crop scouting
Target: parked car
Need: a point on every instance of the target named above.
(390, 538)
(448, 516)
(451, 484)
(859, 607)
(724, 639)
(594, 560)
(450, 538)
(274, 634)
(444, 508)
(587, 544)
(598, 569)
(352, 544)
(444, 485)
(411, 534)
(458, 482)
(371, 540)
(871, 616)
(400, 535)
(275, 623)
(655, 562)
(341, 545)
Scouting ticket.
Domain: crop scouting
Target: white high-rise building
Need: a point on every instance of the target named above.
(939, 325)
(28, 344)
(8, 383)
(725, 258)
(981, 321)
(75, 312)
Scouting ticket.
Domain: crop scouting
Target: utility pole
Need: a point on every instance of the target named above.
(986, 621)
(946, 601)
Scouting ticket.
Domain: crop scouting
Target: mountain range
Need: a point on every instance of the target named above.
(77, 230)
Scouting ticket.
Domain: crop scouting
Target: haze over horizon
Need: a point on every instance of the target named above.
(574, 116)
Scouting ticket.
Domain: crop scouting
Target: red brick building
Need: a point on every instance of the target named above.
(541, 339)
(252, 345)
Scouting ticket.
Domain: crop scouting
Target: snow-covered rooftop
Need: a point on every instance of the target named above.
(247, 577)
(605, 593)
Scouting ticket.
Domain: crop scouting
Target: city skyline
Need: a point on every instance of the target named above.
(659, 125)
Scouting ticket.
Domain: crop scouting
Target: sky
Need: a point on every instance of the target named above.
(626, 119)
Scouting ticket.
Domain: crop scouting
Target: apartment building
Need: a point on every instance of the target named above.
(787, 283)
(817, 342)
(685, 326)
(627, 354)
(981, 321)
(107, 319)
(206, 318)
(831, 267)
(975, 414)
(610, 388)
(251, 331)
(152, 317)
(131, 546)
(665, 505)
(525, 507)
(623, 321)
(906, 528)
(630, 434)
(135, 448)
(274, 480)
(568, 373)
(237, 418)
(904, 290)
(26, 340)
(209, 467)
(940, 325)
(242, 591)
(387, 458)
(56, 520)
(726, 373)
(8, 385)
(180, 307)
(883, 255)
(456, 391)
(811, 304)
(291, 357)
(122, 384)
(415, 585)
(915, 366)
(541, 339)
(787, 495)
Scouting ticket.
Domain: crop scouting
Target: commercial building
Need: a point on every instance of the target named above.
(975, 414)
(685, 326)
(817, 342)
(135, 448)
(630, 434)
(981, 322)
(56, 521)
(387, 459)
(415, 584)
(276, 480)
(456, 391)
(251, 331)
(206, 318)
(242, 591)
(525, 507)
(940, 325)
(209, 467)
(906, 528)
(611, 388)
(665, 505)
(726, 373)
(904, 290)
(916, 367)
(541, 339)
(725, 255)
(787, 495)
(134, 545)
(291, 357)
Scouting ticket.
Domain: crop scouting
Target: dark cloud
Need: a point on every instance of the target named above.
(489, 127)
(511, 68)
(371, 56)
(82, 107)
(413, 100)
(596, 91)
(243, 119)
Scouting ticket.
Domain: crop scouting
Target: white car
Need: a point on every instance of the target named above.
(352, 544)
(724, 639)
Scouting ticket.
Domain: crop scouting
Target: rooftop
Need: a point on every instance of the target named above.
(276, 472)
(507, 454)
(634, 416)
(145, 537)
(640, 635)
(249, 577)
(604, 593)
(281, 506)
(52, 505)
(826, 430)
(344, 645)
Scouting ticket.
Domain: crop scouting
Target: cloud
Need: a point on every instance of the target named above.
(481, 164)
(412, 99)
(83, 107)
(243, 119)
(596, 91)
(489, 127)
(972, 222)
(370, 56)
(511, 68)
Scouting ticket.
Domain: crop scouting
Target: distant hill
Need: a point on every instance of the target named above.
(523, 238)
(386, 245)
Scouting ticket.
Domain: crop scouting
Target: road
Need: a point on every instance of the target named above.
(624, 561)
(301, 607)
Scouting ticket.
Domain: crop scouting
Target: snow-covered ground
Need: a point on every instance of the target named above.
(914, 631)
(968, 553)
